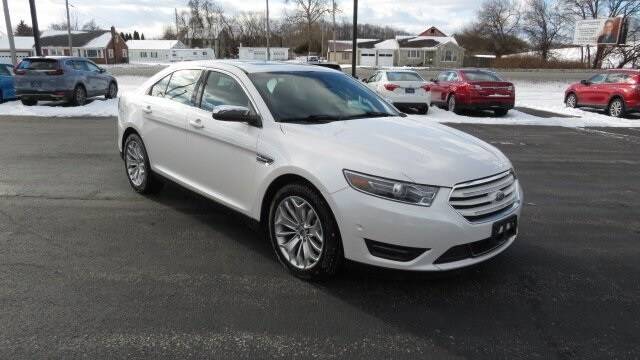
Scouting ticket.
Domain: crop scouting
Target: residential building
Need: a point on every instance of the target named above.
(431, 48)
(260, 53)
(163, 51)
(23, 45)
(101, 46)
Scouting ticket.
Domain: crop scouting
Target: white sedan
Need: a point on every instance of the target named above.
(405, 89)
(329, 169)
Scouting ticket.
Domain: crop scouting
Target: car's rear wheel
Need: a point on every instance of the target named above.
(303, 232)
(136, 162)
(424, 110)
(452, 104)
(500, 112)
(572, 101)
(79, 96)
(616, 108)
(28, 102)
(112, 91)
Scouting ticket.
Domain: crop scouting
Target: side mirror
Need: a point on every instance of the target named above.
(435, 81)
(235, 114)
(585, 82)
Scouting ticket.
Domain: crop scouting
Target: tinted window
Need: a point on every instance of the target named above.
(160, 87)
(597, 79)
(404, 76)
(444, 76)
(79, 65)
(221, 89)
(38, 64)
(310, 96)
(481, 76)
(182, 85)
(92, 66)
(619, 79)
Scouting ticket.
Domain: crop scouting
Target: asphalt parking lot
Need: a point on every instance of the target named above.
(89, 269)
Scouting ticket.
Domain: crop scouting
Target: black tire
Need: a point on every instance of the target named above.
(571, 101)
(79, 97)
(151, 183)
(28, 102)
(331, 256)
(500, 112)
(1, 98)
(424, 110)
(616, 108)
(112, 91)
(452, 104)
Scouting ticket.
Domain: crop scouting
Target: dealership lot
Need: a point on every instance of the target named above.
(91, 269)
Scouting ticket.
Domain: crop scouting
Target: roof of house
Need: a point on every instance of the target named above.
(154, 44)
(20, 42)
(87, 39)
(433, 31)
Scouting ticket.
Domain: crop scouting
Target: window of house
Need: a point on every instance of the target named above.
(143, 54)
(413, 54)
(154, 54)
(92, 54)
(222, 89)
(182, 85)
(204, 53)
(124, 53)
(446, 56)
(110, 52)
(99, 53)
(346, 56)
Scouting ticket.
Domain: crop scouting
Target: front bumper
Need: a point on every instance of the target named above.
(437, 228)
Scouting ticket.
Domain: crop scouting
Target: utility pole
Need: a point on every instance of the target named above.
(7, 20)
(66, 2)
(354, 45)
(34, 25)
(177, 26)
(268, 33)
(334, 29)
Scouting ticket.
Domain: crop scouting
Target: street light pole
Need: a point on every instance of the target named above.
(34, 25)
(268, 33)
(12, 45)
(66, 2)
(354, 45)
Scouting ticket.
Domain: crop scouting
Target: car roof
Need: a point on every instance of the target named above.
(54, 58)
(629, 71)
(253, 66)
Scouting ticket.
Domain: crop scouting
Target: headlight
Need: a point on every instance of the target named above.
(395, 190)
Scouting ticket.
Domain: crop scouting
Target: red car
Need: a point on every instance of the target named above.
(616, 91)
(472, 89)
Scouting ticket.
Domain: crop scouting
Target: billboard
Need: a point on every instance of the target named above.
(600, 32)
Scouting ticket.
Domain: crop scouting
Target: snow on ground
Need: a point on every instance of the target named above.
(548, 96)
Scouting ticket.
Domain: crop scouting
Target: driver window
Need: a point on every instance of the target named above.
(597, 79)
(222, 89)
(92, 67)
(453, 76)
(443, 76)
(182, 85)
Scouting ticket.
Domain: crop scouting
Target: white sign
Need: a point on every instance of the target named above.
(598, 31)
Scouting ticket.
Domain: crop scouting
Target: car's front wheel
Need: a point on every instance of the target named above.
(304, 233)
(112, 91)
(452, 104)
(500, 112)
(28, 102)
(616, 108)
(136, 162)
(572, 101)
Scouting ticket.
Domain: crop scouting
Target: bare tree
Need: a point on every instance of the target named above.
(500, 19)
(309, 12)
(91, 26)
(544, 22)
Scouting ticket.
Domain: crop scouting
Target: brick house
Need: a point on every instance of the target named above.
(100, 46)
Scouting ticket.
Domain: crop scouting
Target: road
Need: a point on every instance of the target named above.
(89, 269)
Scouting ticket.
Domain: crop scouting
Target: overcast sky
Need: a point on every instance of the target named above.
(149, 16)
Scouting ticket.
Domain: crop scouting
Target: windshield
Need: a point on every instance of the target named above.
(318, 96)
(481, 76)
(404, 76)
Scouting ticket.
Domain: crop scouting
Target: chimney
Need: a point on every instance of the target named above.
(114, 40)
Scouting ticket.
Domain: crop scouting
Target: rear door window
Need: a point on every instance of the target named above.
(443, 76)
(618, 78)
(182, 85)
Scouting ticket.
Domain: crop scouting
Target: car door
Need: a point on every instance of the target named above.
(593, 93)
(439, 91)
(7, 83)
(164, 132)
(99, 81)
(223, 153)
(615, 83)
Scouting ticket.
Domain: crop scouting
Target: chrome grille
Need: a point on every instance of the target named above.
(483, 199)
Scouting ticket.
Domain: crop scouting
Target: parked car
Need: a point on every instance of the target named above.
(472, 89)
(7, 86)
(62, 79)
(616, 91)
(406, 89)
(329, 168)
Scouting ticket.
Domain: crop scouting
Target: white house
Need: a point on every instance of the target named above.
(23, 44)
(260, 53)
(163, 51)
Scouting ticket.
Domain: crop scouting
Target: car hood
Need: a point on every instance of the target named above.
(413, 149)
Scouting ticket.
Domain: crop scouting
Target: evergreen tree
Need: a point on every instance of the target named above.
(136, 36)
(23, 29)
(142, 36)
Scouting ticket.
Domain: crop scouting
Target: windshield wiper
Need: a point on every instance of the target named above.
(313, 119)
(370, 114)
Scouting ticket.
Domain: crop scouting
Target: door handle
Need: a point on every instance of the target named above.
(147, 110)
(197, 123)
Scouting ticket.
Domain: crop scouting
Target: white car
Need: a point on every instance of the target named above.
(406, 89)
(328, 168)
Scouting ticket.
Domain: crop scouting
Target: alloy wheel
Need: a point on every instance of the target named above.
(572, 101)
(452, 103)
(615, 109)
(135, 162)
(298, 232)
(113, 90)
(81, 97)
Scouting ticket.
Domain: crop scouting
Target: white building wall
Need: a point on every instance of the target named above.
(149, 55)
(260, 53)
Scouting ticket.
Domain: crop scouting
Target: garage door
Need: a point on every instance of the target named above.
(385, 58)
(367, 57)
